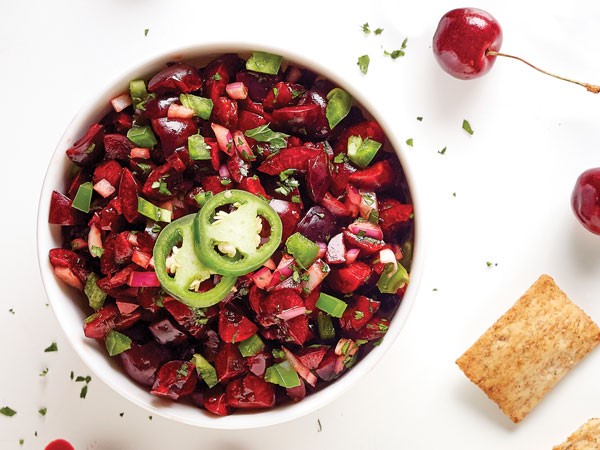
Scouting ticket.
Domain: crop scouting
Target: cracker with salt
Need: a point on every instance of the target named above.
(586, 437)
(530, 348)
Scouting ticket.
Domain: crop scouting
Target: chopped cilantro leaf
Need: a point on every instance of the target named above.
(365, 28)
(409, 142)
(340, 158)
(11, 310)
(442, 151)
(44, 372)
(83, 392)
(51, 348)
(146, 30)
(363, 63)
(467, 127)
(42, 411)
(263, 133)
(378, 31)
(420, 118)
(7, 411)
(121, 414)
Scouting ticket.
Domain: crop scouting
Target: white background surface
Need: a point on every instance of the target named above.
(501, 195)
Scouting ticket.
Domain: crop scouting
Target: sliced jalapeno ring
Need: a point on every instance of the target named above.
(175, 248)
(230, 243)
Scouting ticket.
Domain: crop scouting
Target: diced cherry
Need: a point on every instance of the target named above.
(215, 401)
(378, 177)
(173, 133)
(178, 78)
(296, 158)
(225, 112)
(289, 213)
(128, 194)
(229, 362)
(61, 212)
(175, 379)
(141, 362)
(359, 314)
(250, 392)
(90, 148)
(234, 327)
(348, 279)
(101, 322)
(117, 146)
(166, 333)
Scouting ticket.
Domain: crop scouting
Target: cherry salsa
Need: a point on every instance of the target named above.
(307, 209)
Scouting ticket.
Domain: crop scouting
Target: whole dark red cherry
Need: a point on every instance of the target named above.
(462, 41)
(467, 42)
(585, 199)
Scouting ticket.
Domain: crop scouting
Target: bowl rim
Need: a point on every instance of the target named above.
(65, 311)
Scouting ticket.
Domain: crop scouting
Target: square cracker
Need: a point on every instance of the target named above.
(586, 437)
(530, 348)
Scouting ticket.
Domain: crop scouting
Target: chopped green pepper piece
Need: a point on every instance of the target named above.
(251, 346)
(152, 211)
(331, 305)
(95, 295)
(338, 106)
(198, 149)
(205, 370)
(117, 342)
(325, 326)
(138, 93)
(264, 62)
(83, 198)
(201, 106)
(302, 249)
(142, 136)
(361, 152)
(282, 374)
(391, 280)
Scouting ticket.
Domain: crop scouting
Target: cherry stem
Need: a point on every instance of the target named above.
(590, 87)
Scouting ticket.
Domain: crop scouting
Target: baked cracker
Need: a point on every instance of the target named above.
(530, 348)
(586, 437)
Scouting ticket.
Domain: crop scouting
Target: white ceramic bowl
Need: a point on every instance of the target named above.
(70, 315)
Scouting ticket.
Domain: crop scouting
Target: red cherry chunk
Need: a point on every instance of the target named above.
(175, 379)
(250, 392)
(585, 199)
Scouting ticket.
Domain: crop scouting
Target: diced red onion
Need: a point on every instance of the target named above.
(315, 276)
(367, 207)
(104, 188)
(141, 258)
(237, 90)
(132, 239)
(300, 368)
(322, 249)
(353, 195)
(224, 138)
(224, 171)
(120, 102)
(397, 251)
(242, 146)
(143, 279)
(78, 244)
(262, 277)
(289, 314)
(369, 229)
(351, 347)
(352, 255)
(285, 261)
(126, 307)
(270, 264)
(94, 237)
(177, 111)
(386, 256)
(140, 153)
(67, 275)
